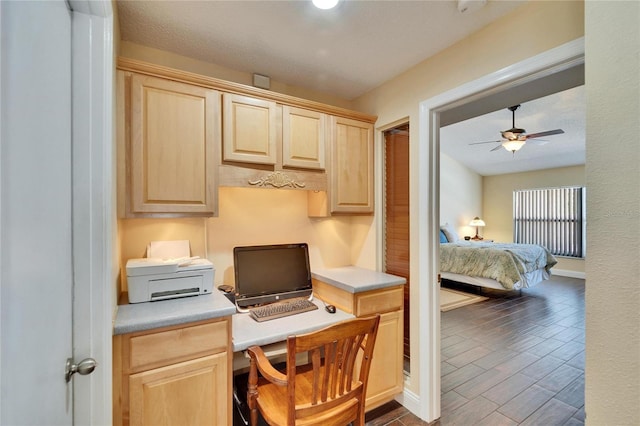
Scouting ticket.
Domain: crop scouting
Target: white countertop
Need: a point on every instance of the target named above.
(148, 315)
(354, 279)
(248, 332)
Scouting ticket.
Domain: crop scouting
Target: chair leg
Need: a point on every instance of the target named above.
(359, 421)
(252, 393)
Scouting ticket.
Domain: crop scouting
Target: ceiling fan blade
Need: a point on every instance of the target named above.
(478, 143)
(547, 133)
(496, 148)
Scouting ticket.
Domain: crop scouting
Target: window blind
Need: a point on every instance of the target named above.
(551, 217)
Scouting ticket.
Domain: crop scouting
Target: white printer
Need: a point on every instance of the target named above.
(152, 279)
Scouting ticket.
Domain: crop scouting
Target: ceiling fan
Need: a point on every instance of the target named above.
(515, 138)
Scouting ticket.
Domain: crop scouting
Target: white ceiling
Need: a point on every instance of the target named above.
(345, 51)
(348, 51)
(564, 110)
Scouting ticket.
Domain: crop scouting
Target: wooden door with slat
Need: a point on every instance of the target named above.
(397, 213)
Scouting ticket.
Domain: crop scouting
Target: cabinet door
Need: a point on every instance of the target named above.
(249, 130)
(303, 138)
(189, 393)
(351, 166)
(385, 376)
(174, 128)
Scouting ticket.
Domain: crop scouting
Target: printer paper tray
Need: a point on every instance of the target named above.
(171, 288)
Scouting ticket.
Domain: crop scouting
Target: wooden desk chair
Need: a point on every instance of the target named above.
(329, 390)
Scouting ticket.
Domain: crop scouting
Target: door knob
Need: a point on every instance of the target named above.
(84, 367)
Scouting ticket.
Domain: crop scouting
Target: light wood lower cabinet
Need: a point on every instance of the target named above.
(183, 393)
(174, 375)
(386, 378)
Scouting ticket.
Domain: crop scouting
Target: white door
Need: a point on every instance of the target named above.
(36, 212)
(40, 219)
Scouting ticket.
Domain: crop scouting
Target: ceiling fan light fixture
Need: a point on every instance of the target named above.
(513, 146)
(325, 4)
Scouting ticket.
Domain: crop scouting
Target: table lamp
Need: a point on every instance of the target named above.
(477, 222)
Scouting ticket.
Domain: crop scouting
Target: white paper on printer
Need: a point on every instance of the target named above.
(178, 249)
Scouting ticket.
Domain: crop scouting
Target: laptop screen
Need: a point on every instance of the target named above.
(267, 273)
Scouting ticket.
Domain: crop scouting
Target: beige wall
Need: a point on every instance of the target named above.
(492, 48)
(248, 216)
(460, 195)
(498, 202)
(612, 50)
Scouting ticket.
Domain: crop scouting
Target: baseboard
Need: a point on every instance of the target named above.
(410, 401)
(568, 273)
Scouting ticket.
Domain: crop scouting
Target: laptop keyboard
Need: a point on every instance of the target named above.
(282, 308)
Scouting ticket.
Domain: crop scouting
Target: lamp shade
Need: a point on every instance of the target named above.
(477, 222)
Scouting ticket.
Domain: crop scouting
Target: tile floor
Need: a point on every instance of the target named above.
(515, 359)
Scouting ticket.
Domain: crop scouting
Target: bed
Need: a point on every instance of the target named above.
(503, 266)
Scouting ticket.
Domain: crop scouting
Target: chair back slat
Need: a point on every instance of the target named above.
(336, 367)
(344, 367)
(339, 373)
(354, 347)
(338, 347)
(318, 391)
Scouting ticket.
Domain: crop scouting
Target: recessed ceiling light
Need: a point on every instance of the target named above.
(325, 4)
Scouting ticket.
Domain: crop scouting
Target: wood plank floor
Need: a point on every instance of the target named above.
(515, 359)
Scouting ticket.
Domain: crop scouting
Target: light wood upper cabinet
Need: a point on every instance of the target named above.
(172, 156)
(250, 130)
(259, 131)
(351, 177)
(303, 138)
(268, 145)
(181, 135)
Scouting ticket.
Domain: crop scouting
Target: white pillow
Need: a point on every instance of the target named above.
(450, 232)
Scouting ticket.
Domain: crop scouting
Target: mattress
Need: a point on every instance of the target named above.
(531, 278)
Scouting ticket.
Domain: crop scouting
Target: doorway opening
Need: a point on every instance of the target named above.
(396, 252)
(446, 108)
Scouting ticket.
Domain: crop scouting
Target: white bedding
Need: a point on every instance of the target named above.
(495, 265)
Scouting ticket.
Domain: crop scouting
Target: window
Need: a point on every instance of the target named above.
(551, 217)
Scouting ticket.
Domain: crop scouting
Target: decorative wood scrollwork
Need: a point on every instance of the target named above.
(277, 180)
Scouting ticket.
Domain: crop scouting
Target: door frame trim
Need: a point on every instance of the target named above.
(93, 205)
(426, 211)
